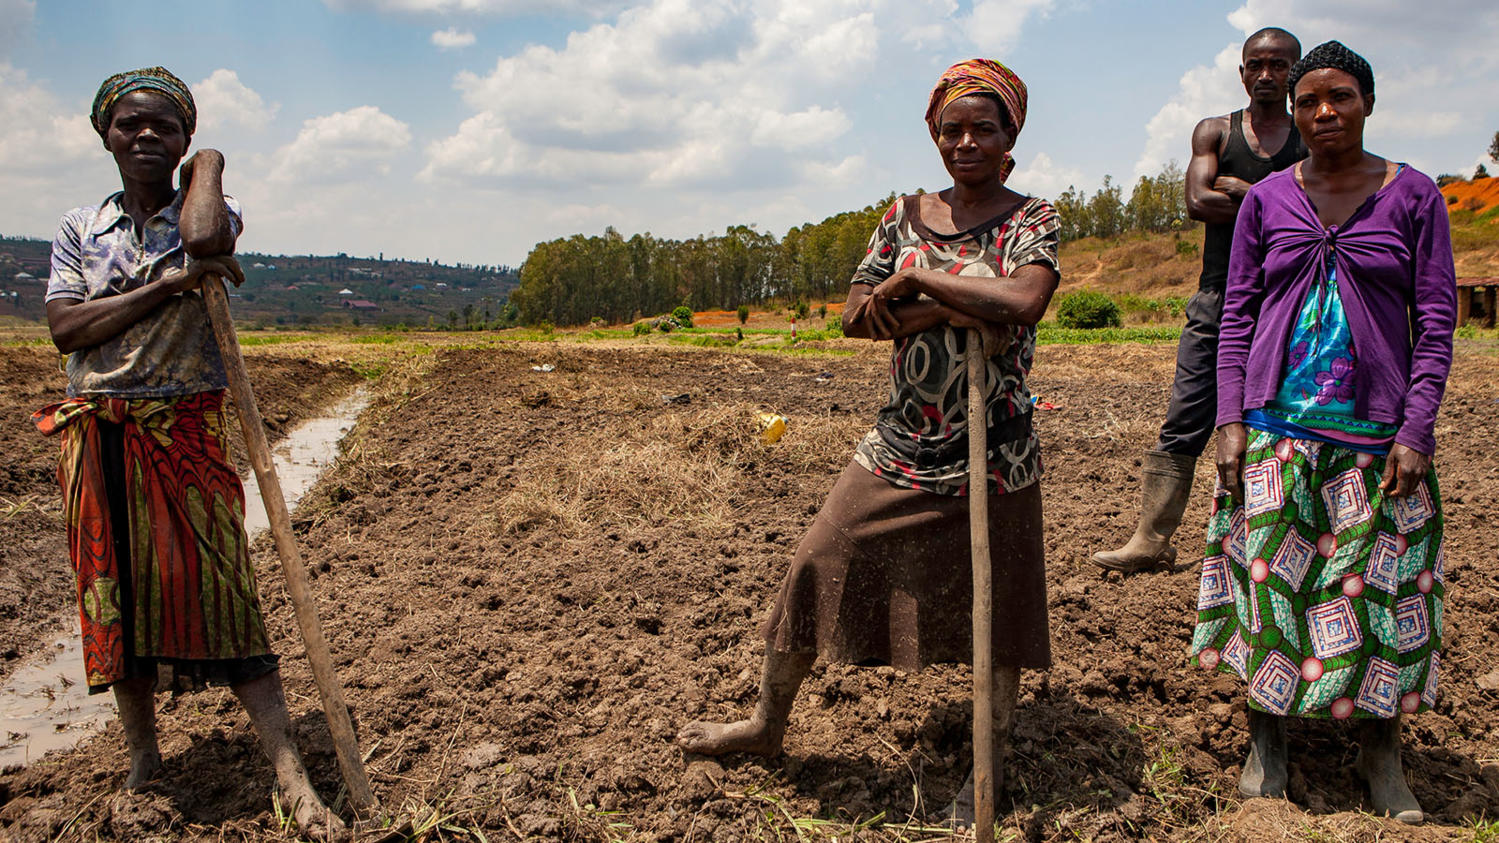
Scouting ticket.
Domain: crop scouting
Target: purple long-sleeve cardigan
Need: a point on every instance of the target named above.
(1397, 282)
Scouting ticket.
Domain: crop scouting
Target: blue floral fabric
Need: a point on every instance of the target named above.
(1316, 395)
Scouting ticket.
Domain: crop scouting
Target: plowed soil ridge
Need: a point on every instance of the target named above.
(530, 580)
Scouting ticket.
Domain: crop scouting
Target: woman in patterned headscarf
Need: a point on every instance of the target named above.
(153, 506)
(883, 573)
(1322, 586)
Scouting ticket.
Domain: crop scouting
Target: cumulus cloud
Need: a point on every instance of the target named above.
(452, 38)
(50, 157)
(479, 7)
(39, 131)
(1430, 68)
(1427, 77)
(224, 101)
(995, 25)
(1044, 177)
(346, 146)
(1202, 92)
(671, 93)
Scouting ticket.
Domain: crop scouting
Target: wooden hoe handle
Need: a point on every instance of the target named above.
(983, 593)
(344, 742)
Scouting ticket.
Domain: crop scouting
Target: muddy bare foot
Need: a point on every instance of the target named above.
(752, 736)
(143, 769)
(313, 818)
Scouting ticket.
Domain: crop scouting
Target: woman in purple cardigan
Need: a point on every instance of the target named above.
(1322, 586)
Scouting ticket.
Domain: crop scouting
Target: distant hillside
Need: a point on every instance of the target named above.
(1473, 207)
(1167, 265)
(308, 289)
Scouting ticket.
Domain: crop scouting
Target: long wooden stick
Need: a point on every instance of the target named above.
(983, 593)
(297, 586)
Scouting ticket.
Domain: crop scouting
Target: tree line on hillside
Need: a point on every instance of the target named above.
(573, 280)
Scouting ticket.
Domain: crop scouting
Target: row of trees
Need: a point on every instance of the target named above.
(573, 280)
(1157, 203)
(570, 281)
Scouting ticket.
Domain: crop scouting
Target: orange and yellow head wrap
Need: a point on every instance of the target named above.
(979, 76)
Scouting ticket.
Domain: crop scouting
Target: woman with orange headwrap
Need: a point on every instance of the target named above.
(883, 574)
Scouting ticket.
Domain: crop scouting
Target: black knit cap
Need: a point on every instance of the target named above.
(1334, 55)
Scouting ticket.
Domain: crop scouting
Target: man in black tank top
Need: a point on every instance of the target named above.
(1229, 153)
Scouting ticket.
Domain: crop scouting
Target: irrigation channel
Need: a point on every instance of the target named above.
(44, 706)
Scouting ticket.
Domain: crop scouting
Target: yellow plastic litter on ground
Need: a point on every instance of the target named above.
(772, 426)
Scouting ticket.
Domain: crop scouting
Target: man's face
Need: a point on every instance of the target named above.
(1267, 63)
(146, 136)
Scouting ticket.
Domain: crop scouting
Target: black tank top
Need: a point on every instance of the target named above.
(1238, 160)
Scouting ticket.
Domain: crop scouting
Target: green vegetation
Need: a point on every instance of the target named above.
(571, 279)
(1087, 309)
(1049, 333)
(682, 315)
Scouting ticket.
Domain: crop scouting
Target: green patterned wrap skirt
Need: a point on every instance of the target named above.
(1318, 590)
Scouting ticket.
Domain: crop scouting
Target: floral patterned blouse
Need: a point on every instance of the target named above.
(1316, 396)
(920, 437)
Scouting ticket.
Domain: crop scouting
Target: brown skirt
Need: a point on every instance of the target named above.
(884, 576)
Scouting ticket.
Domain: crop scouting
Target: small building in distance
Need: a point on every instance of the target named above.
(360, 304)
(1476, 300)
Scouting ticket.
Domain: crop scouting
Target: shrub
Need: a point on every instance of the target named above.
(640, 328)
(822, 310)
(664, 324)
(743, 313)
(682, 316)
(1186, 247)
(800, 309)
(834, 327)
(1087, 309)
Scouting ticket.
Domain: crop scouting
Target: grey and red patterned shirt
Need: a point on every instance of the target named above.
(920, 437)
(172, 351)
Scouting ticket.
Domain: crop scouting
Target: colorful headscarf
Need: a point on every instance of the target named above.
(1332, 54)
(979, 76)
(157, 80)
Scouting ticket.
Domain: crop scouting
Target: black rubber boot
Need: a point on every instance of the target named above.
(1265, 768)
(1379, 765)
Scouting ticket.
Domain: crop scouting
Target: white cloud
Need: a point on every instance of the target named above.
(1427, 76)
(1433, 69)
(1202, 92)
(479, 7)
(1044, 177)
(995, 25)
(452, 38)
(671, 93)
(50, 157)
(343, 147)
(39, 131)
(224, 101)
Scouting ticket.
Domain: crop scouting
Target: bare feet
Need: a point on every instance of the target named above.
(753, 736)
(144, 767)
(312, 817)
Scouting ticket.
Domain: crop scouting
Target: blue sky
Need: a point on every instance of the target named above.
(467, 130)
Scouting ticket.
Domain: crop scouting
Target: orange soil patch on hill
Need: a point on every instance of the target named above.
(758, 318)
(1478, 195)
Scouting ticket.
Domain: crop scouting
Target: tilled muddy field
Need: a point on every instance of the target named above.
(531, 579)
